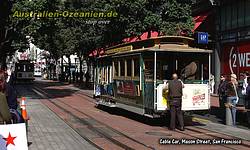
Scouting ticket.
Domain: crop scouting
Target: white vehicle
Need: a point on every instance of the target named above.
(37, 72)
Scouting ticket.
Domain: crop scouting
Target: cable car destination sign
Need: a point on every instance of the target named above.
(119, 49)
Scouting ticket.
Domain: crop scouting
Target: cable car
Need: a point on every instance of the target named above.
(24, 70)
(132, 76)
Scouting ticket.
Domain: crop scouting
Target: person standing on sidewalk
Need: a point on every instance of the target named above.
(10, 91)
(248, 100)
(4, 109)
(175, 99)
(87, 78)
(232, 97)
(248, 92)
(244, 88)
(222, 94)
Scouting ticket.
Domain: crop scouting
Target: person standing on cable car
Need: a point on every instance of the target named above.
(175, 87)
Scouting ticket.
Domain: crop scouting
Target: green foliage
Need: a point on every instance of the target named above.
(65, 36)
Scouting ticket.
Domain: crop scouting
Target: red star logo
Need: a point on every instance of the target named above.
(9, 140)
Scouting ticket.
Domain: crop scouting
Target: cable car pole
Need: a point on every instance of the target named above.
(155, 103)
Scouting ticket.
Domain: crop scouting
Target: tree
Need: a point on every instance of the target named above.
(66, 36)
(11, 37)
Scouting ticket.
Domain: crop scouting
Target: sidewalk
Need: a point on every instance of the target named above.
(228, 130)
(46, 131)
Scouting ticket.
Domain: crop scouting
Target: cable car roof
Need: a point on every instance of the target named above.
(161, 44)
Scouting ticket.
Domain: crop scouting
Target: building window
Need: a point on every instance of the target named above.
(228, 17)
(223, 18)
(241, 14)
(234, 16)
(247, 12)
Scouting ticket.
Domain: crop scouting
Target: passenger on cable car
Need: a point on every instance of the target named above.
(189, 71)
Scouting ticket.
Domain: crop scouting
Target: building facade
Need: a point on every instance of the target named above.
(233, 36)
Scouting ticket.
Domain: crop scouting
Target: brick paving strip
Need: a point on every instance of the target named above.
(46, 131)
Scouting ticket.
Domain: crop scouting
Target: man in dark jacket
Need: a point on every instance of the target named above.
(248, 100)
(175, 98)
(222, 95)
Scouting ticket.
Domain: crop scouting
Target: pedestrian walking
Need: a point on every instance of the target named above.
(5, 116)
(175, 99)
(232, 97)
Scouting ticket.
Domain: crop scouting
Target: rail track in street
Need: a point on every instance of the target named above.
(93, 128)
(83, 123)
(195, 132)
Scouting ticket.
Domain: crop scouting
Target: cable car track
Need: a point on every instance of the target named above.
(81, 94)
(214, 136)
(91, 127)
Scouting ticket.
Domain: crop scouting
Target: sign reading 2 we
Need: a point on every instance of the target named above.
(236, 59)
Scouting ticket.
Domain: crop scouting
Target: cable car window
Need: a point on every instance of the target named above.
(122, 68)
(129, 67)
(107, 74)
(100, 74)
(149, 69)
(104, 74)
(115, 69)
(136, 68)
(110, 74)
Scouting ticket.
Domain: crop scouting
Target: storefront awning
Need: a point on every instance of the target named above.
(199, 20)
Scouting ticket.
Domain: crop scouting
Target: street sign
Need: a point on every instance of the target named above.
(202, 38)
